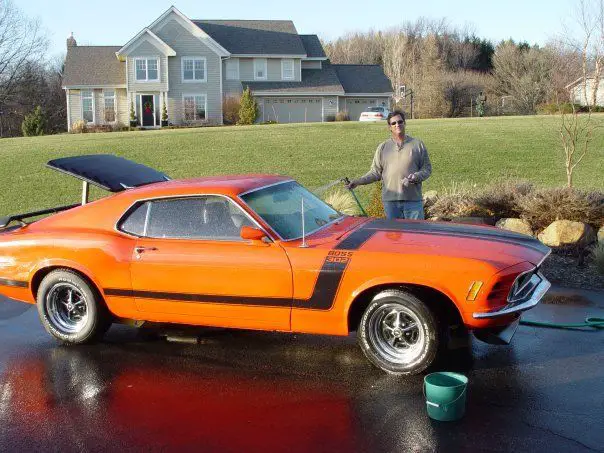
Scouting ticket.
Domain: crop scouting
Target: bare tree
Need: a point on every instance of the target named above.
(576, 133)
(21, 40)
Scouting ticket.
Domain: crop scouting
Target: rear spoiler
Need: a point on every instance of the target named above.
(5, 221)
(107, 171)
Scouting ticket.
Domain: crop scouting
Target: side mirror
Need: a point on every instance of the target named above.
(251, 233)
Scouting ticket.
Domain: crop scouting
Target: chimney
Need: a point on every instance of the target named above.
(71, 42)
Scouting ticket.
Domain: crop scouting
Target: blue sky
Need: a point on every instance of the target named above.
(113, 22)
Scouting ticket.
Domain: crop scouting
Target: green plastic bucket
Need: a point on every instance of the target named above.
(445, 393)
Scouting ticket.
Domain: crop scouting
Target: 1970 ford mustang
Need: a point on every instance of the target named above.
(261, 252)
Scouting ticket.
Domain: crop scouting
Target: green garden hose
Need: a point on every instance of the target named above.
(592, 322)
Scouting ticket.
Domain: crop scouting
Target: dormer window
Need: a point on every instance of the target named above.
(260, 69)
(193, 69)
(147, 69)
(287, 69)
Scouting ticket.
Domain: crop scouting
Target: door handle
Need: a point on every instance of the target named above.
(140, 249)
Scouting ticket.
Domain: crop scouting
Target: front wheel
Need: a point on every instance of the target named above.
(70, 309)
(398, 333)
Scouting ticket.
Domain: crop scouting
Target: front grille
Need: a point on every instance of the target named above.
(524, 286)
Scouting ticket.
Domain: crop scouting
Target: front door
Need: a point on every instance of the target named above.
(148, 110)
(191, 266)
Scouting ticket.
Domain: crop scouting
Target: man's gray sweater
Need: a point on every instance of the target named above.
(392, 164)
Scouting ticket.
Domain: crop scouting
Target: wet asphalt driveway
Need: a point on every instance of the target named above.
(241, 391)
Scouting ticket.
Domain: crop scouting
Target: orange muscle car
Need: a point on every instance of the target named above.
(262, 252)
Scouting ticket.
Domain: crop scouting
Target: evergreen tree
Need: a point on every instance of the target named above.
(34, 123)
(248, 112)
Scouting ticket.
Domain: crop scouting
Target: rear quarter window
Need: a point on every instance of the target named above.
(135, 219)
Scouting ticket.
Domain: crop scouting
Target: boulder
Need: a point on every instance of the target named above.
(567, 232)
(516, 225)
(601, 235)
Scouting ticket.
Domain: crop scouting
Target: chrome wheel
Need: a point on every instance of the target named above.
(396, 333)
(66, 307)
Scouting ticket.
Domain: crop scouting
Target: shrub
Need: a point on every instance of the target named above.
(342, 201)
(230, 109)
(330, 118)
(248, 111)
(544, 206)
(34, 123)
(79, 127)
(503, 198)
(342, 116)
(598, 257)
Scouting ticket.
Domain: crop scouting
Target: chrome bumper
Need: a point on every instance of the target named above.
(520, 306)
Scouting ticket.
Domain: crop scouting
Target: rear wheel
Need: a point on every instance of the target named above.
(398, 333)
(70, 309)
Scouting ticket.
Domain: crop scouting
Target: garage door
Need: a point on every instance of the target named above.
(356, 106)
(291, 110)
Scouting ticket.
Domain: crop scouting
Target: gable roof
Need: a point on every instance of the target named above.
(145, 32)
(255, 37)
(93, 65)
(360, 78)
(314, 48)
(319, 81)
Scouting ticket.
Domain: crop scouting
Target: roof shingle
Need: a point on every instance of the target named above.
(255, 37)
(93, 65)
(357, 78)
(318, 81)
(314, 48)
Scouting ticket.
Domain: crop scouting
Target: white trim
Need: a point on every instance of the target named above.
(258, 60)
(264, 55)
(315, 59)
(300, 79)
(82, 106)
(147, 79)
(91, 87)
(193, 29)
(194, 80)
(221, 95)
(375, 95)
(68, 110)
(233, 60)
(283, 61)
(165, 47)
(205, 96)
(285, 93)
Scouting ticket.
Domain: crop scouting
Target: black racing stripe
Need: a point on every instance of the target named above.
(13, 283)
(327, 284)
(201, 298)
(358, 237)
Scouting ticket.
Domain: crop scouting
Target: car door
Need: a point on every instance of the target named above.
(190, 265)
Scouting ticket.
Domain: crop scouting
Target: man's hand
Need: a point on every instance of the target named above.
(412, 178)
(351, 185)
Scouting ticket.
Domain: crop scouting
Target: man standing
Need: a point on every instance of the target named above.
(402, 163)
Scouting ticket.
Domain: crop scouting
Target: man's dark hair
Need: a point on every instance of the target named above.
(395, 113)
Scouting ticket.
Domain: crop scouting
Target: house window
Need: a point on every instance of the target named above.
(147, 69)
(287, 69)
(109, 101)
(259, 68)
(193, 69)
(195, 107)
(232, 69)
(87, 106)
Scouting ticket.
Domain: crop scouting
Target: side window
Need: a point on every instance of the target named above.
(211, 217)
(134, 223)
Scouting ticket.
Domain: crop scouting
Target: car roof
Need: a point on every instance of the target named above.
(226, 184)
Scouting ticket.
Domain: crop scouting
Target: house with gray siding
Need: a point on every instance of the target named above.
(188, 67)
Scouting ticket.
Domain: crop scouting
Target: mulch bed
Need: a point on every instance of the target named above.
(572, 271)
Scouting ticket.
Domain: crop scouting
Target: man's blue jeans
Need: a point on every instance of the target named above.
(404, 209)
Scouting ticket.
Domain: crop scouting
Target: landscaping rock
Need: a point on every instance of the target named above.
(516, 225)
(601, 235)
(567, 232)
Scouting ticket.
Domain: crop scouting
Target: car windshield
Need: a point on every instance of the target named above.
(280, 206)
(376, 109)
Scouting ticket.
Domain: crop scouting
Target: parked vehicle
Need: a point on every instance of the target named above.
(374, 114)
(261, 252)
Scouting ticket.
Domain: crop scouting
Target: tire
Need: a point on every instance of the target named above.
(398, 333)
(70, 309)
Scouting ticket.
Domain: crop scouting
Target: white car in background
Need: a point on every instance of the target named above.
(374, 114)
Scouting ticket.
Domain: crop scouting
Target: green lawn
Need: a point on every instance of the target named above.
(463, 151)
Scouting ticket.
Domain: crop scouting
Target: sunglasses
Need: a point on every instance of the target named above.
(394, 123)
